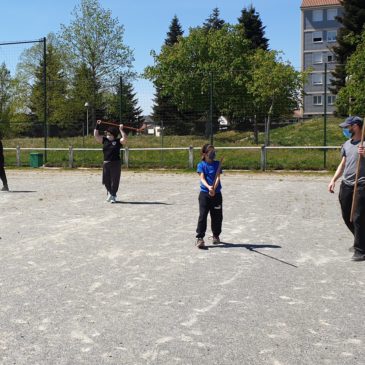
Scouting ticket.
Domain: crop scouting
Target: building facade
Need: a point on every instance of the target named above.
(319, 33)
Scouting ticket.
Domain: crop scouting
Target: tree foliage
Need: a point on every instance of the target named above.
(95, 39)
(253, 28)
(348, 37)
(351, 98)
(214, 22)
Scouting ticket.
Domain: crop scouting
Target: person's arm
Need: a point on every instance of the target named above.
(361, 151)
(97, 135)
(338, 173)
(123, 140)
(204, 182)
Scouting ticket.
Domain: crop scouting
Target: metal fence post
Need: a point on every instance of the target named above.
(263, 158)
(126, 157)
(18, 156)
(191, 157)
(70, 157)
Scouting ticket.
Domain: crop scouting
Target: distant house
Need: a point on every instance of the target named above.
(319, 33)
(152, 127)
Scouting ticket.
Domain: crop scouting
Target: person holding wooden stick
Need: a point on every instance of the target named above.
(112, 161)
(210, 196)
(352, 189)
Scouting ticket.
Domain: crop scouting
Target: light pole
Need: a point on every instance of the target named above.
(87, 118)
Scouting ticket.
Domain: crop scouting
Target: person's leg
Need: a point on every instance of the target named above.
(345, 198)
(115, 170)
(359, 222)
(106, 176)
(3, 178)
(203, 214)
(216, 215)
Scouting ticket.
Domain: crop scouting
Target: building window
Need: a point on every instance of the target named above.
(317, 79)
(317, 58)
(331, 99)
(331, 14)
(317, 37)
(330, 58)
(317, 100)
(331, 35)
(317, 15)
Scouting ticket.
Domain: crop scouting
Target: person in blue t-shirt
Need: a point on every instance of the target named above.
(210, 196)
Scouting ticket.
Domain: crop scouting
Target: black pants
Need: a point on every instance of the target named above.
(357, 227)
(111, 176)
(3, 176)
(212, 205)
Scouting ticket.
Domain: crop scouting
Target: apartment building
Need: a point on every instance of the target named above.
(319, 29)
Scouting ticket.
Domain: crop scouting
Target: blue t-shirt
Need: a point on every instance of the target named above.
(209, 170)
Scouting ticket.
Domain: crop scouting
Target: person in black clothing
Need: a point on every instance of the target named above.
(2, 170)
(112, 162)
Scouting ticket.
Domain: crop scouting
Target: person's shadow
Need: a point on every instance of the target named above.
(141, 203)
(251, 247)
(20, 191)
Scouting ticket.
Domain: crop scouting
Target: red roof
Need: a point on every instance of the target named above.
(316, 3)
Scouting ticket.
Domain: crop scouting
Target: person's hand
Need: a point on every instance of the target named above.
(120, 126)
(211, 191)
(331, 187)
(361, 151)
(98, 121)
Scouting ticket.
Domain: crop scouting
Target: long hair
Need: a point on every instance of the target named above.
(204, 150)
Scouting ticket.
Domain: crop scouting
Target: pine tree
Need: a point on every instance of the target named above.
(5, 92)
(213, 22)
(253, 28)
(348, 37)
(164, 110)
(175, 31)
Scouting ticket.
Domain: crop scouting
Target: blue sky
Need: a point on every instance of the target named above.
(146, 23)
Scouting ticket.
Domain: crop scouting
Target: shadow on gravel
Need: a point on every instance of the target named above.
(21, 191)
(253, 248)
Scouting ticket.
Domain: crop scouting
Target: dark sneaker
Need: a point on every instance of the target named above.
(5, 188)
(358, 256)
(200, 243)
(216, 240)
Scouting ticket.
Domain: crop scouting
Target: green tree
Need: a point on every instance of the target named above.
(175, 31)
(348, 37)
(6, 88)
(214, 22)
(202, 63)
(351, 98)
(56, 89)
(252, 26)
(164, 110)
(96, 39)
(123, 106)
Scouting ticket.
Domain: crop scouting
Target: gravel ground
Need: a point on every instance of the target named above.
(83, 281)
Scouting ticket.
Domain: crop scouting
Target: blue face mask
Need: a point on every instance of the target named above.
(347, 133)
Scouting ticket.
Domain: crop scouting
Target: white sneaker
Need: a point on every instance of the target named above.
(113, 199)
(108, 197)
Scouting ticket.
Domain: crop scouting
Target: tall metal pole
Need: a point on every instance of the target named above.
(121, 98)
(325, 117)
(211, 108)
(45, 97)
(87, 121)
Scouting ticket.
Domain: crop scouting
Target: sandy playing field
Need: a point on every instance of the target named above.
(83, 281)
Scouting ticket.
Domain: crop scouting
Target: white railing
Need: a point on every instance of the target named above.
(263, 151)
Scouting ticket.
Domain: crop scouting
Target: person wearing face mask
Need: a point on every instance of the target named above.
(351, 151)
(210, 196)
(112, 162)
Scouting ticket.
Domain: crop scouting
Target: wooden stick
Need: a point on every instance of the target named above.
(124, 126)
(354, 195)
